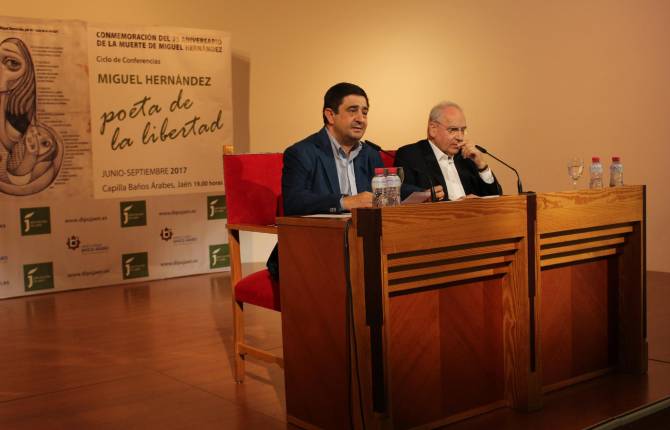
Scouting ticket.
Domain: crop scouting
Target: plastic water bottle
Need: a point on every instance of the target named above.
(378, 188)
(616, 172)
(596, 180)
(392, 189)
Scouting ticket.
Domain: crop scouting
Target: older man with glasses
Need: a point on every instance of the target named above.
(446, 161)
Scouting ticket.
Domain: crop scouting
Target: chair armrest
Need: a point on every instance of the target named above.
(272, 229)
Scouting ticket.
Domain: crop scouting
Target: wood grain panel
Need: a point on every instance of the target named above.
(446, 266)
(447, 351)
(603, 243)
(454, 252)
(571, 210)
(556, 325)
(591, 315)
(582, 256)
(570, 246)
(415, 358)
(630, 272)
(472, 345)
(452, 223)
(560, 237)
(314, 324)
(448, 278)
(578, 311)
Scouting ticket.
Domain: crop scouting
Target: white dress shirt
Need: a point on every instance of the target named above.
(455, 189)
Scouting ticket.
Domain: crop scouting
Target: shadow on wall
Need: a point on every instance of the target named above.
(240, 67)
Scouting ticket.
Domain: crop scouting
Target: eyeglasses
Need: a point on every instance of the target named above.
(453, 130)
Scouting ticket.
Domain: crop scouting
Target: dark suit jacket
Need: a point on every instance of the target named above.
(309, 178)
(422, 170)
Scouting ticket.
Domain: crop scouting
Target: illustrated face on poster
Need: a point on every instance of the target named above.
(31, 152)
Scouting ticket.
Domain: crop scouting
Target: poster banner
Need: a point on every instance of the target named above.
(44, 119)
(135, 116)
(161, 109)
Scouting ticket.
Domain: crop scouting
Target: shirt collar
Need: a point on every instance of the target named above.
(337, 148)
(439, 155)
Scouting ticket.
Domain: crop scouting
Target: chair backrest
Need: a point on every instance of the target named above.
(253, 188)
(388, 157)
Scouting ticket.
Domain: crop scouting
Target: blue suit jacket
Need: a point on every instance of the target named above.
(309, 177)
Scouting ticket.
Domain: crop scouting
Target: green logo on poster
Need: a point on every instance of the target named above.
(216, 207)
(133, 214)
(35, 221)
(38, 276)
(135, 265)
(219, 256)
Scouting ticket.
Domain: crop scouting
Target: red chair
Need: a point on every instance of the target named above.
(253, 199)
(388, 157)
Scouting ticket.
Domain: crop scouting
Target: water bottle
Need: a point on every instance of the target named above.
(378, 188)
(392, 190)
(596, 180)
(616, 172)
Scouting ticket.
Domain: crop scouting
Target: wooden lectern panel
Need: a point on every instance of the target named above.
(447, 351)
(591, 289)
(579, 321)
(314, 328)
(456, 307)
(459, 307)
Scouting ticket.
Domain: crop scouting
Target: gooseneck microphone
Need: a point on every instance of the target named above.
(519, 187)
(433, 196)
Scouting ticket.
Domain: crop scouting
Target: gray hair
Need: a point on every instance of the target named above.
(436, 111)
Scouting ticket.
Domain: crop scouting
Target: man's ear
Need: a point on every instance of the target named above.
(431, 130)
(330, 115)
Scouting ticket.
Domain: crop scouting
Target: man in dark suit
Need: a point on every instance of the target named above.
(446, 160)
(331, 170)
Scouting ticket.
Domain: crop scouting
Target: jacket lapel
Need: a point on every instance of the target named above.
(325, 152)
(361, 172)
(432, 167)
(463, 173)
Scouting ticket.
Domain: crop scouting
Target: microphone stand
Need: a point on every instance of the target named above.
(519, 187)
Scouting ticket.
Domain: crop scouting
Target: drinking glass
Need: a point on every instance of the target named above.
(401, 174)
(575, 170)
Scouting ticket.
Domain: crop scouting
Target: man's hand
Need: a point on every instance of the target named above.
(439, 192)
(360, 200)
(468, 150)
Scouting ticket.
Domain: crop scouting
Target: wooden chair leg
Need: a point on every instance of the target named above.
(238, 339)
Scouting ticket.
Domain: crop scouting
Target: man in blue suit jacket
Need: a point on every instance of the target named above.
(331, 171)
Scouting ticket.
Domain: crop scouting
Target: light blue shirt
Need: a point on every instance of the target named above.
(344, 163)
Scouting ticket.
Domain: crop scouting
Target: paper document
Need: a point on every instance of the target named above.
(417, 197)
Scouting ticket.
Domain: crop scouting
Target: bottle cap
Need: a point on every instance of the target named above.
(392, 170)
(379, 171)
(595, 159)
(616, 158)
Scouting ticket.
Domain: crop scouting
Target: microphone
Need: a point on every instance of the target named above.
(433, 196)
(519, 187)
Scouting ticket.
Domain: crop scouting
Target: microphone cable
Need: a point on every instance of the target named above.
(351, 330)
